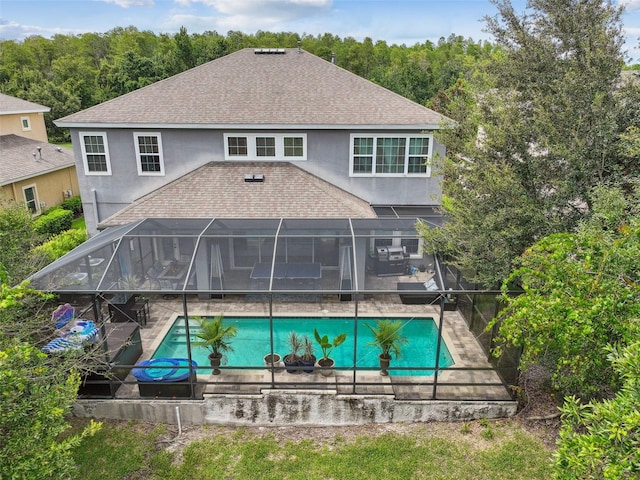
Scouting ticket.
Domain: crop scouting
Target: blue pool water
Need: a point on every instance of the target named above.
(252, 342)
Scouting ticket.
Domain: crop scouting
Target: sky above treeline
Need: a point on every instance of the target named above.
(394, 21)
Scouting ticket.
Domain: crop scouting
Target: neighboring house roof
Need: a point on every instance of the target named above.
(292, 89)
(11, 105)
(219, 189)
(17, 160)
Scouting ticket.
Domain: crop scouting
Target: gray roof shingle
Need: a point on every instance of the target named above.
(11, 105)
(17, 161)
(249, 89)
(218, 189)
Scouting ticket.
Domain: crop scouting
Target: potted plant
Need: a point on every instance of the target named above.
(130, 282)
(216, 337)
(388, 338)
(308, 359)
(326, 363)
(292, 359)
(272, 361)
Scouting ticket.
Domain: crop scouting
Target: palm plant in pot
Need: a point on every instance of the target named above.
(326, 362)
(216, 337)
(292, 359)
(388, 338)
(308, 359)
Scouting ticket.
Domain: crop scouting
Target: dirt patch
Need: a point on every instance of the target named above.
(538, 412)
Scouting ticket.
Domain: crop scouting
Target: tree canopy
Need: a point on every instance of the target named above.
(581, 296)
(73, 72)
(36, 390)
(540, 124)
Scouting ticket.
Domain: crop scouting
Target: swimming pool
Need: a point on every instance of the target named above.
(252, 342)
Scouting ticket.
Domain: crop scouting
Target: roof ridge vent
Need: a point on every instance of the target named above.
(269, 51)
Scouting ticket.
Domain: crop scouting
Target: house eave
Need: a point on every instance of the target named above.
(22, 112)
(38, 174)
(247, 126)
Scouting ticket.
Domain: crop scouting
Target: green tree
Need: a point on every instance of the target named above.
(17, 239)
(184, 50)
(36, 391)
(34, 400)
(61, 98)
(580, 296)
(542, 131)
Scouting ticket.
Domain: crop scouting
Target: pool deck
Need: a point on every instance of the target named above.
(464, 348)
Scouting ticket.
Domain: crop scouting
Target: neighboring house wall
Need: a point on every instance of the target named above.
(28, 125)
(328, 155)
(43, 191)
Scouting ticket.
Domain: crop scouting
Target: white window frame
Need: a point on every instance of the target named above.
(81, 135)
(22, 124)
(136, 145)
(35, 198)
(407, 137)
(279, 144)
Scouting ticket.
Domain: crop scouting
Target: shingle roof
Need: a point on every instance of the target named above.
(218, 189)
(245, 88)
(18, 163)
(11, 105)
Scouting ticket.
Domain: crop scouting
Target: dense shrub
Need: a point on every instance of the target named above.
(600, 439)
(55, 221)
(73, 204)
(17, 238)
(36, 397)
(61, 244)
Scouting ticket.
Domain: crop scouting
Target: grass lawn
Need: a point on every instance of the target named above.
(474, 450)
(79, 223)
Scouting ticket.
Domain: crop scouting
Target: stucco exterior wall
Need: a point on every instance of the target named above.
(12, 123)
(185, 150)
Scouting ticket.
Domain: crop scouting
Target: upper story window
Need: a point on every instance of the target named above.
(390, 155)
(276, 146)
(149, 153)
(26, 123)
(266, 146)
(293, 147)
(95, 153)
(237, 146)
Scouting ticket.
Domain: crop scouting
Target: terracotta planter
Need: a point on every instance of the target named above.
(326, 366)
(271, 361)
(215, 359)
(384, 365)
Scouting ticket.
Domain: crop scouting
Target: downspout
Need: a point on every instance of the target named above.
(96, 215)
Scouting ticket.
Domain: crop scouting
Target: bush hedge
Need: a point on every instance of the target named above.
(61, 244)
(74, 204)
(55, 221)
